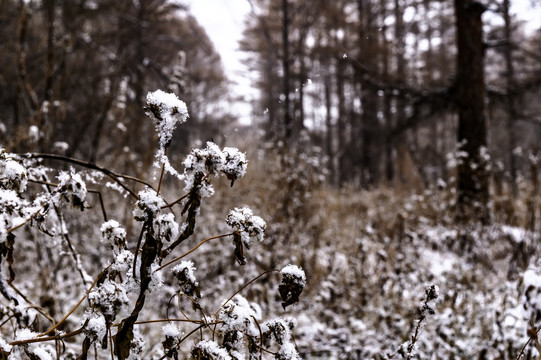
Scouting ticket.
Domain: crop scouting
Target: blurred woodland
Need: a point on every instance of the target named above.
(380, 87)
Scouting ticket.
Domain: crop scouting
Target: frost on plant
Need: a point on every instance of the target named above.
(13, 174)
(239, 319)
(114, 234)
(148, 205)
(73, 189)
(208, 350)
(184, 273)
(166, 227)
(531, 282)
(235, 164)
(107, 318)
(171, 342)
(247, 226)
(169, 111)
(292, 285)
(201, 164)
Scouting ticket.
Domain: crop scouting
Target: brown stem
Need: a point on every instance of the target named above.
(192, 250)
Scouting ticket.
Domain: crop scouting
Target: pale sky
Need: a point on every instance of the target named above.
(223, 21)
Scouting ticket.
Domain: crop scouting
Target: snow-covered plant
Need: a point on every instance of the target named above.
(201, 164)
(292, 285)
(13, 174)
(128, 268)
(184, 273)
(247, 226)
(531, 282)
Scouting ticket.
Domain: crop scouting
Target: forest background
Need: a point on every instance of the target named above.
(393, 146)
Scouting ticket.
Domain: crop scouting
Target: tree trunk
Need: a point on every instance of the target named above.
(511, 106)
(285, 64)
(472, 177)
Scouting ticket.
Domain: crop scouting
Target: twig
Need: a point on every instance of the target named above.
(77, 305)
(243, 287)
(192, 250)
(92, 166)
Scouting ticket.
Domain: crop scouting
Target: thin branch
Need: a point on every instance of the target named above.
(116, 177)
(77, 305)
(245, 286)
(48, 338)
(192, 250)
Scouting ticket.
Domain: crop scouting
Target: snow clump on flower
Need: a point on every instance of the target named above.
(208, 349)
(249, 225)
(149, 203)
(167, 227)
(238, 314)
(531, 283)
(95, 327)
(13, 175)
(114, 234)
(235, 164)
(169, 111)
(292, 284)
(200, 164)
(184, 272)
(73, 188)
(171, 330)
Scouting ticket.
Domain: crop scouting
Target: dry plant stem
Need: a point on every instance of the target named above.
(77, 305)
(161, 175)
(39, 309)
(100, 198)
(180, 307)
(260, 337)
(192, 250)
(137, 247)
(175, 202)
(527, 343)
(48, 338)
(244, 287)
(65, 236)
(116, 177)
(167, 320)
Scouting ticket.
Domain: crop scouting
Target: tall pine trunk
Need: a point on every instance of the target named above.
(473, 176)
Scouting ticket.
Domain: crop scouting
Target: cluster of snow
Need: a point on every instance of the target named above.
(169, 111)
(114, 234)
(210, 161)
(41, 352)
(531, 282)
(4, 346)
(186, 268)
(184, 273)
(149, 203)
(249, 225)
(25, 334)
(209, 349)
(110, 298)
(238, 315)
(280, 331)
(73, 188)
(13, 176)
(171, 330)
(123, 262)
(294, 272)
(166, 227)
(96, 327)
